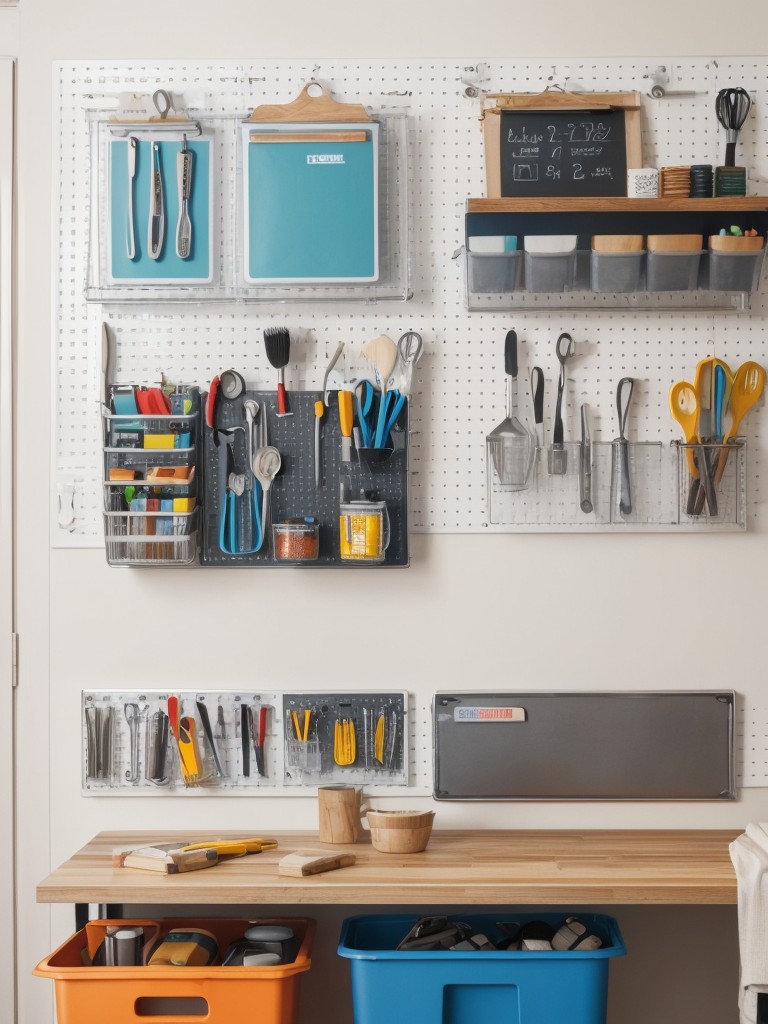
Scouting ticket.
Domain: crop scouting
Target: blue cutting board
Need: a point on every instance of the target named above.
(169, 268)
(311, 206)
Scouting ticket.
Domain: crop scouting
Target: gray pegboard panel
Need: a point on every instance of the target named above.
(293, 491)
(312, 760)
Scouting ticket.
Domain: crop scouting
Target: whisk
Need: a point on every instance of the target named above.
(732, 107)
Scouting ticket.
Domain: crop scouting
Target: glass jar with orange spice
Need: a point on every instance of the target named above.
(296, 540)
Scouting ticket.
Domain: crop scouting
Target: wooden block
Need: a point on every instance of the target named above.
(310, 862)
(167, 859)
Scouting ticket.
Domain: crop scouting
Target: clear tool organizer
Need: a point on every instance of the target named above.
(214, 269)
(150, 461)
(240, 742)
(665, 495)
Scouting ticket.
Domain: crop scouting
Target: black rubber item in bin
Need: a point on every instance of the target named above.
(672, 271)
(550, 271)
(448, 986)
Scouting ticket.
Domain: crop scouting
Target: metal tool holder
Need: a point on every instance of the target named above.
(129, 748)
(346, 737)
(167, 536)
(293, 491)
(661, 485)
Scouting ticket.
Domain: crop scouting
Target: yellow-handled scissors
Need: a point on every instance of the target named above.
(234, 847)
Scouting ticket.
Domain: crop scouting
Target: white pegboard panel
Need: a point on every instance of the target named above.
(459, 387)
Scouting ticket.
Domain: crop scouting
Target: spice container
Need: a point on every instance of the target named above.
(363, 531)
(296, 540)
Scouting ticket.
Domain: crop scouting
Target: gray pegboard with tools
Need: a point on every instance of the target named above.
(346, 737)
(244, 537)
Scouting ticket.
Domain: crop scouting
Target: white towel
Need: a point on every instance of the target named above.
(749, 854)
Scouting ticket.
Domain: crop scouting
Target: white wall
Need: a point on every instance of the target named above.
(499, 610)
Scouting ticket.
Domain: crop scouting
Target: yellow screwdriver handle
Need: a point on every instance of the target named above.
(345, 413)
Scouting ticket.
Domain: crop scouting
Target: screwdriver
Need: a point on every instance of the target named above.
(345, 425)
(319, 410)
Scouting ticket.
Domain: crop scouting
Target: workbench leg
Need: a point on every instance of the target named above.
(108, 910)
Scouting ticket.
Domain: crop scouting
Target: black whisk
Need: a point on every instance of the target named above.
(732, 107)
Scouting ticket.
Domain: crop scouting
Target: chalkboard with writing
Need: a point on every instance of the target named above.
(563, 153)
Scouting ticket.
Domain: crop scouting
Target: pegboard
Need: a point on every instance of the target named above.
(459, 384)
(293, 492)
(116, 758)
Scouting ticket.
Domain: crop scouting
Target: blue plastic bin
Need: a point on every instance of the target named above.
(453, 987)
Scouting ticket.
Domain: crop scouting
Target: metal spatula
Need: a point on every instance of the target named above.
(511, 445)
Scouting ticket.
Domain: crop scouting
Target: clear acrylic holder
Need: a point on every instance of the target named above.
(729, 480)
(227, 280)
(660, 482)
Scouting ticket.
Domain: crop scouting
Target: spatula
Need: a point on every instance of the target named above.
(510, 444)
(277, 342)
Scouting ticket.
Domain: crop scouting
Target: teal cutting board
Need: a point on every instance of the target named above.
(311, 206)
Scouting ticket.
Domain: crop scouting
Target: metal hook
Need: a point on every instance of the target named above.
(163, 103)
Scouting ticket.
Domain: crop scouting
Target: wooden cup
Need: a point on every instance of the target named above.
(340, 809)
(400, 831)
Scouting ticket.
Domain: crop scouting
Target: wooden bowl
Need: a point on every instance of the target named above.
(400, 831)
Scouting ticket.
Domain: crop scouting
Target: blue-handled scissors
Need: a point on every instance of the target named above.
(395, 399)
(364, 392)
(228, 517)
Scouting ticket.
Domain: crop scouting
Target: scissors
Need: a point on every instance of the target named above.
(391, 414)
(364, 392)
(234, 847)
(233, 490)
(409, 350)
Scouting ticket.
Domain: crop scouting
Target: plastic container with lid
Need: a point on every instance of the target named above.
(296, 540)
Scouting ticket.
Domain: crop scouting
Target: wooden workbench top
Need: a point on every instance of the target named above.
(484, 867)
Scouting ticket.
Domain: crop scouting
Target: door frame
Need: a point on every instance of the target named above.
(7, 575)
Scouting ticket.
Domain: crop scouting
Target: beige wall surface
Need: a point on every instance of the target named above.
(540, 611)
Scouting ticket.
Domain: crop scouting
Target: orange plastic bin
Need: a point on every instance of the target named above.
(214, 994)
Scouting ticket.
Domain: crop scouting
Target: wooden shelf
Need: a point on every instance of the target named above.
(458, 867)
(740, 204)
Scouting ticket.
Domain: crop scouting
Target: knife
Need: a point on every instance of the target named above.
(585, 465)
(258, 731)
(130, 241)
(202, 710)
(156, 227)
(245, 738)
